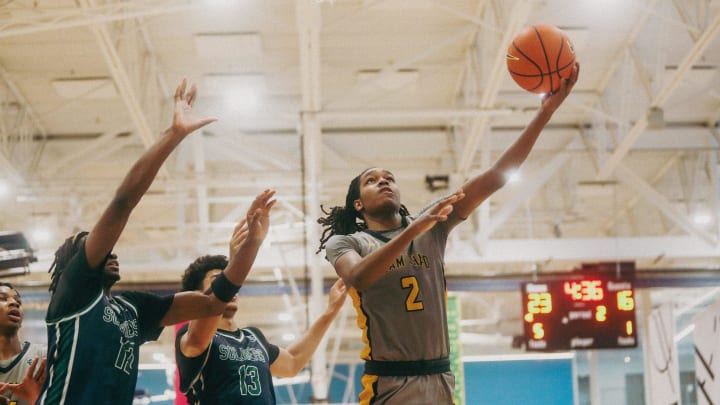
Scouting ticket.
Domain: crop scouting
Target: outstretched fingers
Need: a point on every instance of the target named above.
(191, 94)
(180, 90)
(39, 376)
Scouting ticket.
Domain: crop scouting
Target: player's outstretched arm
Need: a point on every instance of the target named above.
(107, 230)
(192, 305)
(361, 272)
(479, 188)
(201, 331)
(291, 360)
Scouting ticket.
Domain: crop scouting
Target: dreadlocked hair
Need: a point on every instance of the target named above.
(62, 257)
(195, 273)
(345, 220)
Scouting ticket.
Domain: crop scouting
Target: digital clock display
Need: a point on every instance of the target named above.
(591, 310)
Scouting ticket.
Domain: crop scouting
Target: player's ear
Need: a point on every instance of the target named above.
(358, 205)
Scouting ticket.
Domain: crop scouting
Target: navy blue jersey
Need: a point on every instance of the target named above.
(233, 370)
(94, 339)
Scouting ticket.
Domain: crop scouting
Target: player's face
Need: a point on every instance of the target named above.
(231, 306)
(11, 310)
(378, 191)
(111, 269)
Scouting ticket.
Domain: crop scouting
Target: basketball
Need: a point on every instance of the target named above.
(539, 57)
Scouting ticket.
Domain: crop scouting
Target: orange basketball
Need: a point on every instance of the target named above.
(539, 57)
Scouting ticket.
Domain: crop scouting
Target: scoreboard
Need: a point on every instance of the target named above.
(593, 308)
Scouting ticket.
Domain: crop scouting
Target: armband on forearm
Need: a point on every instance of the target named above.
(223, 288)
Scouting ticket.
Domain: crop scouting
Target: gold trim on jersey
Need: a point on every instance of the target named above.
(361, 323)
(368, 382)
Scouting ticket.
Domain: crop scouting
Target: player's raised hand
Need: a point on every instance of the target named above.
(184, 122)
(552, 101)
(239, 235)
(29, 388)
(258, 216)
(436, 213)
(336, 297)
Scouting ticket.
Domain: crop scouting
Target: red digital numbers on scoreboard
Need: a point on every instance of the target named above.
(586, 310)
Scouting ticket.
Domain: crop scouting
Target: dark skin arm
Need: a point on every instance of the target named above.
(196, 305)
(291, 360)
(361, 272)
(480, 187)
(107, 230)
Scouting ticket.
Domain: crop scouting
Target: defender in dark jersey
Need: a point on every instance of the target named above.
(94, 336)
(22, 364)
(220, 363)
(393, 265)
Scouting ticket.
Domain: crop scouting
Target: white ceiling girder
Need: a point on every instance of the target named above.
(381, 117)
(658, 200)
(309, 23)
(409, 61)
(634, 200)
(660, 98)
(123, 82)
(247, 155)
(29, 112)
(72, 17)
(109, 149)
(588, 249)
(528, 189)
(88, 153)
(518, 16)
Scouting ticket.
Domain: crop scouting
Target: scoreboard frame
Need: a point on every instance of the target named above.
(592, 308)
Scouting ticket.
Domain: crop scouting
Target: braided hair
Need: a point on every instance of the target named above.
(62, 257)
(195, 273)
(346, 220)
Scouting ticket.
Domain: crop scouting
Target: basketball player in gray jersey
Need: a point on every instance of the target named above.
(393, 265)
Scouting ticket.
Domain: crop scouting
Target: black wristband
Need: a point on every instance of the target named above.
(223, 288)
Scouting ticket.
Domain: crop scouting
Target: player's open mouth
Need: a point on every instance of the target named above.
(15, 316)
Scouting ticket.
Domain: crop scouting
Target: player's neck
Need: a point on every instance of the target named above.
(383, 222)
(9, 346)
(225, 323)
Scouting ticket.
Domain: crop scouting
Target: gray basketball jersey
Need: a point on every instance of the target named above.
(403, 315)
(13, 370)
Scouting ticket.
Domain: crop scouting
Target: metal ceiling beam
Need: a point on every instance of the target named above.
(517, 18)
(34, 121)
(88, 153)
(309, 24)
(386, 72)
(659, 174)
(25, 22)
(527, 190)
(586, 249)
(660, 98)
(634, 181)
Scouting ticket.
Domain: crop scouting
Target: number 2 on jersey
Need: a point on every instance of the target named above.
(411, 302)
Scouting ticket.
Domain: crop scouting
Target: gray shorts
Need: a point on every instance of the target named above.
(434, 389)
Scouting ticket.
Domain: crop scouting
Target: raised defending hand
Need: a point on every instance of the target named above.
(238, 237)
(336, 297)
(436, 213)
(29, 388)
(552, 101)
(183, 120)
(258, 216)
